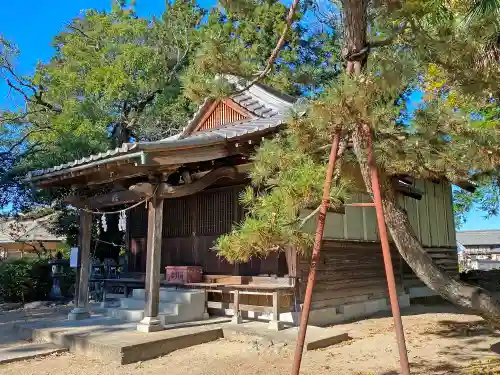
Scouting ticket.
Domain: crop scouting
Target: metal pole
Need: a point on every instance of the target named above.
(320, 226)
(389, 272)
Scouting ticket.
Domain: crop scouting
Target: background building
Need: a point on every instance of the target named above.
(479, 249)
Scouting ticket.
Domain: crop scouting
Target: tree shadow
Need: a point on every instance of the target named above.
(453, 329)
(435, 368)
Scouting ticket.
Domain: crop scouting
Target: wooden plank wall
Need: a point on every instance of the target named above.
(190, 227)
(350, 272)
(431, 217)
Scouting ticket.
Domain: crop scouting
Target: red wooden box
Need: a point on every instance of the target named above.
(183, 274)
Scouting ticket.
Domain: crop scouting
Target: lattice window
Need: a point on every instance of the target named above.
(177, 218)
(215, 211)
(138, 222)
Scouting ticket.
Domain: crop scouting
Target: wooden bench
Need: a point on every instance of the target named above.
(236, 290)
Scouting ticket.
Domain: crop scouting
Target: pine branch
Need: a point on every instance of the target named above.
(309, 217)
(274, 54)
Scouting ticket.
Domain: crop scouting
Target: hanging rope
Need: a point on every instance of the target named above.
(109, 243)
(115, 212)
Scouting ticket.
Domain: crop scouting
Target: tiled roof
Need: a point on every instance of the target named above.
(123, 149)
(260, 100)
(269, 107)
(479, 237)
(232, 131)
(27, 231)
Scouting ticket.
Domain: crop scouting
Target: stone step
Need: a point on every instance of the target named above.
(132, 315)
(173, 295)
(176, 306)
(110, 340)
(138, 304)
(128, 315)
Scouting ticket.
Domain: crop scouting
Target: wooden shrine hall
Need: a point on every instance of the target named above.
(191, 183)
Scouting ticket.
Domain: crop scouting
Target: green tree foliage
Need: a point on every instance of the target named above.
(114, 77)
(118, 72)
(25, 280)
(239, 39)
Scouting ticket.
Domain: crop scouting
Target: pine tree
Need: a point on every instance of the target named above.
(422, 46)
(238, 40)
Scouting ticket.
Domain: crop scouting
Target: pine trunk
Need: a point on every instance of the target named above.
(459, 293)
(355, 48)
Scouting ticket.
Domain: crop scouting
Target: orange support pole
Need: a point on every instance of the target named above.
(389, 272)
(320, 226)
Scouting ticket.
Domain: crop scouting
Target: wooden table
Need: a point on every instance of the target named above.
(127, 283)
(276, 290)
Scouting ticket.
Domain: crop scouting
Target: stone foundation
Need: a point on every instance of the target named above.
(327, 315)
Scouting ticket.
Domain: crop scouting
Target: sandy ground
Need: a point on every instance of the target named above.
(440, 340)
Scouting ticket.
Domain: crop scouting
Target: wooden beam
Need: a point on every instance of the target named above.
(106, 200)
(275, 324)
(407, 190)
(291, 261)
(168, 191)
(112, 176)
(190, 155)
(66, 176)
(236, 308)
(145, 189)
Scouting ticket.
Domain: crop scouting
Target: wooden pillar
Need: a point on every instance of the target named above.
(275, 324)
(236, 308)
(81, 310)
(151, 321)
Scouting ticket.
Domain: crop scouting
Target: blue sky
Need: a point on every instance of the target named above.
(31, 25)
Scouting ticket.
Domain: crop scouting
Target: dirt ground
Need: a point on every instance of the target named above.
(440, 340)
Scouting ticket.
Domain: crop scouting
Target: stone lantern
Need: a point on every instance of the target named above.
(57, 272)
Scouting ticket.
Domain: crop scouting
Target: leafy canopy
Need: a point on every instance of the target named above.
(114, 77)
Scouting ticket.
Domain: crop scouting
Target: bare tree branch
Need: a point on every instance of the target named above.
(20, 141)
(18, 89)
(18, 119)
(309, 217)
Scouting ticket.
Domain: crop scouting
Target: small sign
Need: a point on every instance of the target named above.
(73, 257)
(183, 274)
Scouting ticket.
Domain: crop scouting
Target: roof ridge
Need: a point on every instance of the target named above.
(478, 230)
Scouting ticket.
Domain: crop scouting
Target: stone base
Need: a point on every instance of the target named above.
(150, 324)
(236, 319)
(275, 325)
(79, 313)
(321, 316)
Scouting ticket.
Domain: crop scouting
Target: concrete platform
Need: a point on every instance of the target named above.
(316, 337)
(22, 352)
(113, 340)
